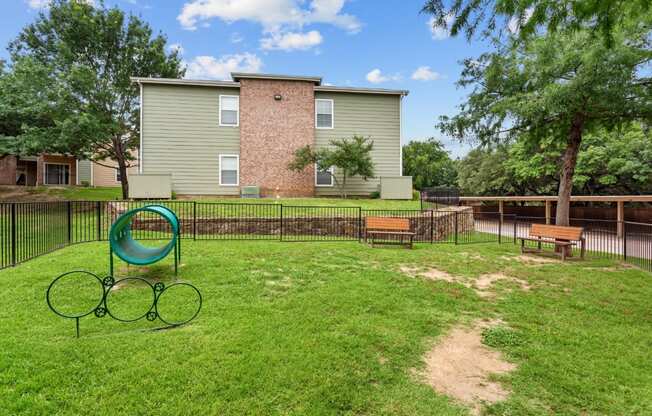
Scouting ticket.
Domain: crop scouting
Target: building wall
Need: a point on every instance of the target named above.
(84, 172)
(271, 130)
(8, 170)
(43, 159)
(371, 115)
(182, 137)
(103, 175)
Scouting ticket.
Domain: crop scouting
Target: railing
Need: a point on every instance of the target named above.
(31, 229)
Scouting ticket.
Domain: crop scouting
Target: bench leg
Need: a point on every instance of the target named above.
(582, 248)
(563, 253)
(522, 246)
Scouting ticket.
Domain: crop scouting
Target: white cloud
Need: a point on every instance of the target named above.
(209, 67)
(273, 15)
(515, 23)
(291, 40)
(440, 33)
(375, 76)
(424, 73)
(176, 47)
(236, 37)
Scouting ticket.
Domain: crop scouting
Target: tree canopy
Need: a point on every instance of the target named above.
(526, 16)
(609, 162)
(349, 156)
(74, 93)
(429, 164)
(552, 90)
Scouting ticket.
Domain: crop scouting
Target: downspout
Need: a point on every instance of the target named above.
(140, 145)
(400, 136)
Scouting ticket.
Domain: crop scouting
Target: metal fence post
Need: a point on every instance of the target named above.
(281, 231)
(500, 229)
(194, 220)
(624, 225)
(432, 226)
(359, 224)
(69, 207)
(455, 227)
(13, 234)
(515, 221)
(98, 213)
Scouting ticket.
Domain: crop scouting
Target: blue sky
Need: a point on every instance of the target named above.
(384, 44)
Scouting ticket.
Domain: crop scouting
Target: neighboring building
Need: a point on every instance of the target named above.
(57, 170)
(94, 174)
(215, 136)
(38, 170)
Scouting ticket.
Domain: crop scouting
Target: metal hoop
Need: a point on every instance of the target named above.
(160, 316)
(99, 304)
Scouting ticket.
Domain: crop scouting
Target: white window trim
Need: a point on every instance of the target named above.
(45, 171)
(332, 171)
(237, 182)
(332, 114)
(237, 118)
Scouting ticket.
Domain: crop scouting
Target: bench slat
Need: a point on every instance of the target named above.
(387, 223)
(556, 232)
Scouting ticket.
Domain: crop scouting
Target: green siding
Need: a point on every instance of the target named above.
(372, 115)
(182, 137)
(84, 171)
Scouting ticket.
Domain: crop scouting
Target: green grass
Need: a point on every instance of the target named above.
(78, 193)
(325, 329)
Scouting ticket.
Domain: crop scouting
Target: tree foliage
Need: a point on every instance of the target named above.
(609, 162)
(552, 90)
(527, 16)
(79, 59)
(350, 157)
(429, 164)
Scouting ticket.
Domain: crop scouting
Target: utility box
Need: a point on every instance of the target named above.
(250, 192)
(150, 186)
(396, 187)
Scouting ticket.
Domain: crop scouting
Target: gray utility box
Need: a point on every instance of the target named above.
(150, 186)
(396, 187)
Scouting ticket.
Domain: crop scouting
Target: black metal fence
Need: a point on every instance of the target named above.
(31, 229)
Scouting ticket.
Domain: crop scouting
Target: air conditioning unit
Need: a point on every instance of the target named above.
(250, 192)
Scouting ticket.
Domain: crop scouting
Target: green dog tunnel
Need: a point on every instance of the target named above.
(123, 245)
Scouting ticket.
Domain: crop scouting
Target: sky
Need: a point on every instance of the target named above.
(362, 43)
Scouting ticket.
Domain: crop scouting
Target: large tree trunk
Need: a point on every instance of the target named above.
(569, 160)
(124, 181)
(122, 166)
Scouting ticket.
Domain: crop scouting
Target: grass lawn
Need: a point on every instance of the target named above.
(79, 193)
(326, 329)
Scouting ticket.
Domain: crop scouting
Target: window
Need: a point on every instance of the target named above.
(118, 177)
(229, 110)
(324, 177)
(56, 174)
(324, 114)
(229, 170)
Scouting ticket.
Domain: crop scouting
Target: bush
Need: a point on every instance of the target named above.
(416, 195)
(374, 195)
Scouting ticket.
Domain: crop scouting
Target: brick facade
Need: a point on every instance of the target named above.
(43, 159)
(271, 130)
(8, 170)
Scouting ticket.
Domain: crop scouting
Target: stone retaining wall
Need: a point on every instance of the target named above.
(427, 225)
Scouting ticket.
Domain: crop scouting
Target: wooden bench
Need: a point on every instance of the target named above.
(564, 238)
(388, 227)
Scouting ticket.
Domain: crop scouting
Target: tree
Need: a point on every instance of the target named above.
(82, 58)
(556, 87)
(524, 17)
(350, 157)
(429, 164)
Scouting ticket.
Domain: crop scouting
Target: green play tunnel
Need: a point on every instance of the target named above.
(130, 250)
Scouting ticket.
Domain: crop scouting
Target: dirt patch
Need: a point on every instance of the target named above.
(460, 366)
(524, 258)
(25, 194)
(485, 282)
(433, 274)
(482, 285)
